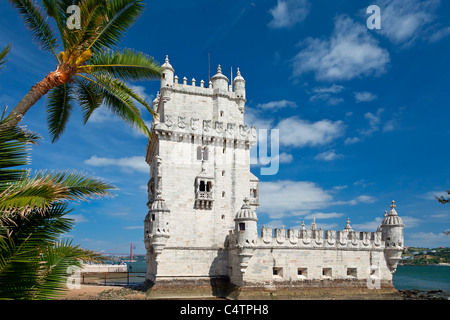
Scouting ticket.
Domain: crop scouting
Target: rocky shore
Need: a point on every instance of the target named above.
(90, 292)
(414, 294)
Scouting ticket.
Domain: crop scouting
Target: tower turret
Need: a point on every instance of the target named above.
(392, 233)
(219, 80)
(167, 74)
(246, 233)
(157, 225)
(239, 89)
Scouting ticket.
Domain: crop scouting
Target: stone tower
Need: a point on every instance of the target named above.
(199, 158)
(201, 231)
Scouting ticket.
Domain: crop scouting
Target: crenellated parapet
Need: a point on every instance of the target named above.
(309, 238)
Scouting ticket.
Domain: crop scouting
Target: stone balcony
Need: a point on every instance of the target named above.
(204, 199)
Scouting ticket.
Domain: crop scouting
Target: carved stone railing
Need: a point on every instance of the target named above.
(204, 195)
(204, 199)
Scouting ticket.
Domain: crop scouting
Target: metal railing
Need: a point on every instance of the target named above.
(113, 278)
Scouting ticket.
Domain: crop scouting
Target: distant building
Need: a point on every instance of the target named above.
(201, 230)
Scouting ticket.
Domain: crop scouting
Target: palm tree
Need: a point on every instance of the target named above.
(34, 260)
(88, 70)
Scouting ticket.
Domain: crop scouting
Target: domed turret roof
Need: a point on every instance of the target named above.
(238, 76)
(392, 217)
(219, 75)
(159, 204)
(167, 65)
(246, 212)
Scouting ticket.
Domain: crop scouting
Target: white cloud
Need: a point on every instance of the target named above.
(297, 132)
(368, 226)
(275, 105)
(252, 118)
(333, 89)
(364, 96)
(366, 199)
(321, 215)
(286, 157)
(403, 21)
(78, 218)
(430, 195)
(327, 98)
(128, 163)
(328, 156)
(427, 240)
(352, 140)
(133, 227)
(288, 13)
(440, 34)
(374, 122)
(284, 198)
(350, 52)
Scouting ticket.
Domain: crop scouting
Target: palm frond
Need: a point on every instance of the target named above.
(122, 86)
(88, 96)
(35, 20)
(3, 55)
(14, 147)
(127, 65)
(59, 258)
(118, 100)
(36, 193)
(121, 14)
(59, 108)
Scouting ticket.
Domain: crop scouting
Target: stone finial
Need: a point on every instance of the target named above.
(167, 58)
(238, 72)
(176, 79)
(303, 225)
(193, 82)
(202, 84)
(184, 80)
(392, 206)
(393, 212)
(348, 227)
(219, 69)
(313, 224)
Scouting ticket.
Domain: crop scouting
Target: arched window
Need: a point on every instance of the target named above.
(205, 153)
(199, 153)
(202, 186)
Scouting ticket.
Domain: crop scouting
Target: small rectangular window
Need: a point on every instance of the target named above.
(277, 272)
(326, 272)
(352, 272)
(242, 226)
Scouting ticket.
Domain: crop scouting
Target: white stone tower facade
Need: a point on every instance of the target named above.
(201, 231)
(199, 175)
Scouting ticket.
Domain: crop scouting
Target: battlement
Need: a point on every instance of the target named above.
(319, 238)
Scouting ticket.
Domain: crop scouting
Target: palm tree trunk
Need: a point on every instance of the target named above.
(52, 80)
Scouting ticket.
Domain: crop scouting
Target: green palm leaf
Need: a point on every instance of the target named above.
(3, 55)
(127, 65)
(89, 97)
(35, 20)
(121, 14)
(36, 193)
(119, 101)
(59, 108)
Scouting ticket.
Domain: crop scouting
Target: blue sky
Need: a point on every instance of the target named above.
(363, 114)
